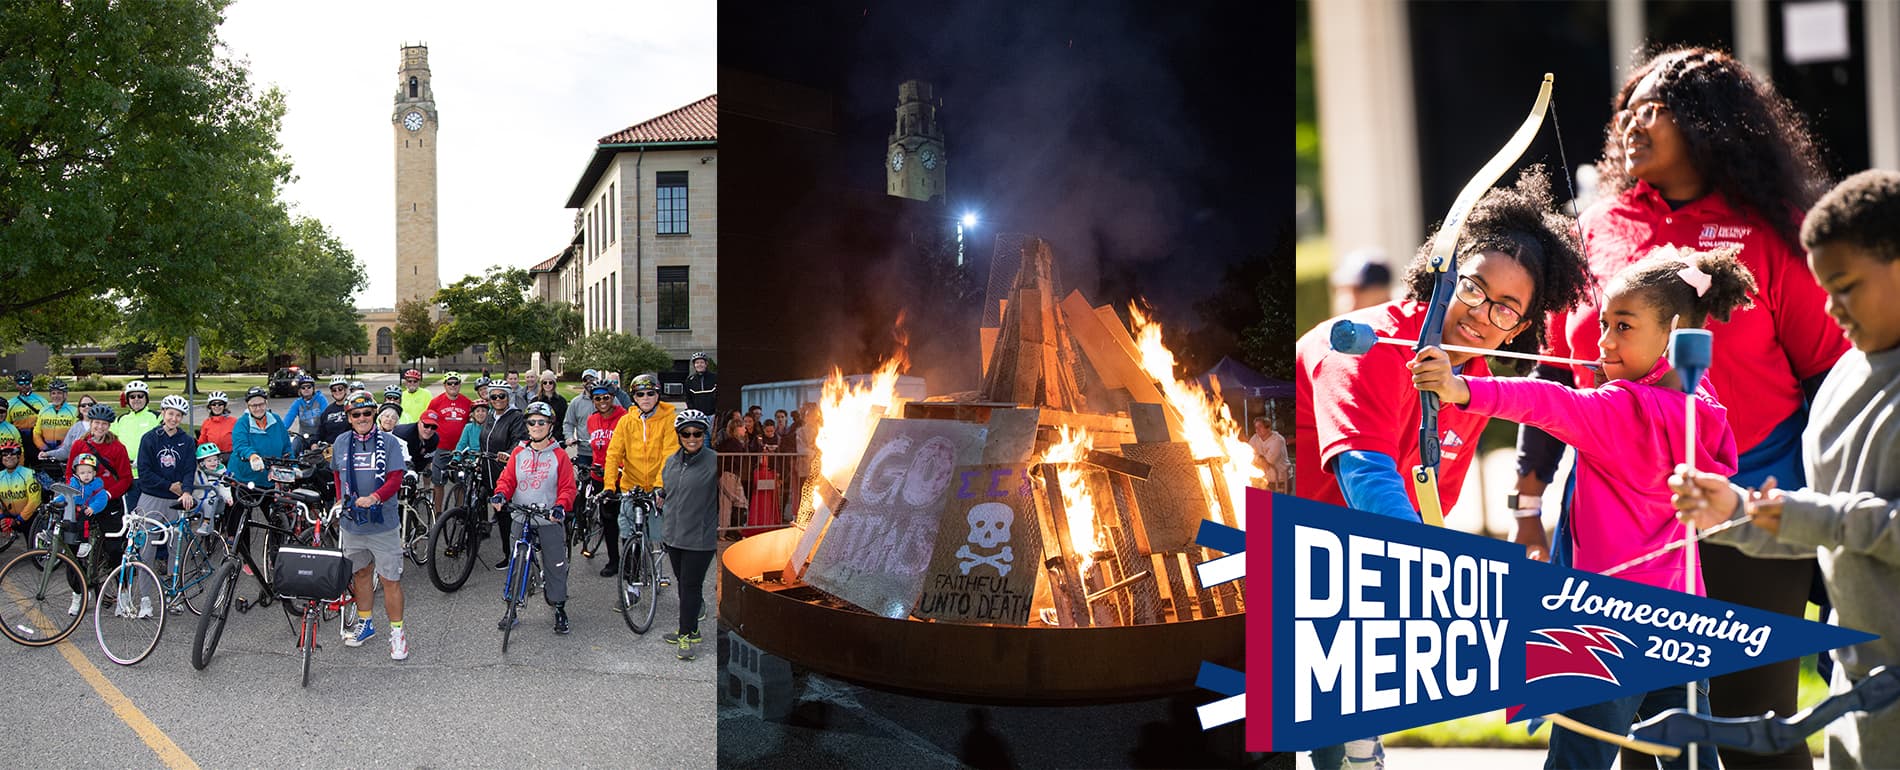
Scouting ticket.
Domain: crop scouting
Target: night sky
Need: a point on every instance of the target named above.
(1147, 142)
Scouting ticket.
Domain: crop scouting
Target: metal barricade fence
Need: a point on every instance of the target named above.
(758, 491)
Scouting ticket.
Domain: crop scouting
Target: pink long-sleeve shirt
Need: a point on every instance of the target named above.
(1629, 438)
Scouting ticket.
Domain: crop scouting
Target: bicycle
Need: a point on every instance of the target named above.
(279, 505)
(456, 536)
(641, 576)
(30, 580)
(319, 584)
(586, 528)
(525, 567)
(190, 539)
(417, 514)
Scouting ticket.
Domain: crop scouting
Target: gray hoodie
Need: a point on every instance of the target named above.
(691, 517)
(1846, 518)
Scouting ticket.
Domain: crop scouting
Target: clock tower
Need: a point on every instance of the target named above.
(414, 122)
(914, 160)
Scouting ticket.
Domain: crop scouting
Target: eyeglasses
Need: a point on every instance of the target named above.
(1643, 115)
(692, 434)
(544, 423)
(603, 398)
(362, 413)
(645, 393)
(498, 397)
(1504, 317)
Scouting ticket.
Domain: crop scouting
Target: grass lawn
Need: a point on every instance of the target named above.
(233, 385)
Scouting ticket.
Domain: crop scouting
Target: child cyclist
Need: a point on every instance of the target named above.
(539, 473)
(91, 500)
(1845, 517)
(1628, 435)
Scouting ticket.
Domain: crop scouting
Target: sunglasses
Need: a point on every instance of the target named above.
(645, 393)
(130, 396)
(309, 385)
(362, 413)
(692, 434)
(603, 397)
(532, 423)
(498, 397)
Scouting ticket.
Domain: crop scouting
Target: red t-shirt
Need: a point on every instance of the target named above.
(1762, 353)
(451, 413)
(1367, 403)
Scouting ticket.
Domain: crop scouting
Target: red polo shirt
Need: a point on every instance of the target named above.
(1762, 353)
(1367, 402)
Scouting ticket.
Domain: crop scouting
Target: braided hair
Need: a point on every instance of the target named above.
(1521, 222)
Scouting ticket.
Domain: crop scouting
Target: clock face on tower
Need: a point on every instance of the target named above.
(412, 121)
(897, 159)
(929, 157)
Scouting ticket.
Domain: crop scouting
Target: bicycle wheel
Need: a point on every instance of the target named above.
(593, 533)
(451, 550)
(35, 593)
(224, 590)
(308, 634)
(125, 637)
(420, 516)
(639, 585)
(202, 554)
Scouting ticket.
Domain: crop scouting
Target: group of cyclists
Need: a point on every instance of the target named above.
(148, 461)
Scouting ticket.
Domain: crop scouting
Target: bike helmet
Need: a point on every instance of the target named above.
(339, 380)
(393, 391)
(456, 376)
(540, 408)
(481, 382)
(645, 382)
(498, 385)
(256, 392)
(361, 399)
(57, 385)
(602, 389)
(10, 445)
(691, 416)
(411, 374)
(175, 402)
(23, 377)
(208, 449)
(701, 357)
(86, 458)
(137, 386)
(357, 385)
(305, 378)
(101, 412)
(217, 397)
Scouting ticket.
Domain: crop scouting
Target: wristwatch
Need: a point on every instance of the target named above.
(1525, 506)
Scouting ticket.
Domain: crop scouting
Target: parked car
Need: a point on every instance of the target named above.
(283, 384)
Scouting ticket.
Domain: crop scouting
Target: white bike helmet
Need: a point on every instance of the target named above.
(175, 402)
(217, 397)
(691, 416)
(137, 386)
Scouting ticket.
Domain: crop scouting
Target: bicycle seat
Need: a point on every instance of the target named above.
(306, 496)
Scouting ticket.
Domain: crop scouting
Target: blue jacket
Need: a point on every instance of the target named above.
(272, 440)
(92, 496)
(165, 460)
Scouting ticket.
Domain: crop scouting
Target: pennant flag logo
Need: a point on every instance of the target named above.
(1373, 625)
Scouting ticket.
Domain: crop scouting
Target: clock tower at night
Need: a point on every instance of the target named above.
(914, 160)
(414, 121)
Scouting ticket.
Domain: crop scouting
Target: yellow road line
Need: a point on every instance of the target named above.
(128, 712)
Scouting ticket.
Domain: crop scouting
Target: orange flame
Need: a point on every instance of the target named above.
(847, 413)
(1208, 425)
(1077, 501)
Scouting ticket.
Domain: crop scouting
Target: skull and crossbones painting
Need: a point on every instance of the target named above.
(989, 527)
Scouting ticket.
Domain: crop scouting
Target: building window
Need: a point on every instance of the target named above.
(674, 298)
(613, 226)
(613, 310)
(385, 342)
(670, 197)
(412, 88)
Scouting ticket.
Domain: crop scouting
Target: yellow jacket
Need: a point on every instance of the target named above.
(639, 449)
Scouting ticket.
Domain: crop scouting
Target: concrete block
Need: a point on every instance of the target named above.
(757, 680)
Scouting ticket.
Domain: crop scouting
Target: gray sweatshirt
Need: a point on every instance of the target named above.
(691, 516)
(1846, 519)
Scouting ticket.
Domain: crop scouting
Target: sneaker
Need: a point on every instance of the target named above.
(349, 627)
(398, 644)
(84, 548)
(685, 647)
(145, 607)
(610, 570)
(364, 632)
(674, 638)
(74, 609)
(560, 621)
(503, 564)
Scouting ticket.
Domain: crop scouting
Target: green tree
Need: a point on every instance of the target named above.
(495, 309)
(90, 366)
(415, 330)
(305, 307)
(158, 362)
(58, 365)
(139, 170)
(618, 352)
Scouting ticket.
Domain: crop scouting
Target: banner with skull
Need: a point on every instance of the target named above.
(988, 550)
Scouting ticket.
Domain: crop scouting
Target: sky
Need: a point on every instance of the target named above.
(523, 98)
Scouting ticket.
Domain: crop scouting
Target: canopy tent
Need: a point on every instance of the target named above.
(1240, 382)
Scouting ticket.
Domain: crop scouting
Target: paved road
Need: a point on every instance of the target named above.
(598, 697)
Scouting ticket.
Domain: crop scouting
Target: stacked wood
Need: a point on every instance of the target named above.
(1026, 362)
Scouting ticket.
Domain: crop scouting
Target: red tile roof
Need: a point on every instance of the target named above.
(696, 122)
(548, 265)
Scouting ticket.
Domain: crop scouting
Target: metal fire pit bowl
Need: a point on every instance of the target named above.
(992, 664)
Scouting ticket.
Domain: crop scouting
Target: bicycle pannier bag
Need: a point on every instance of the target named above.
(311, 573)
